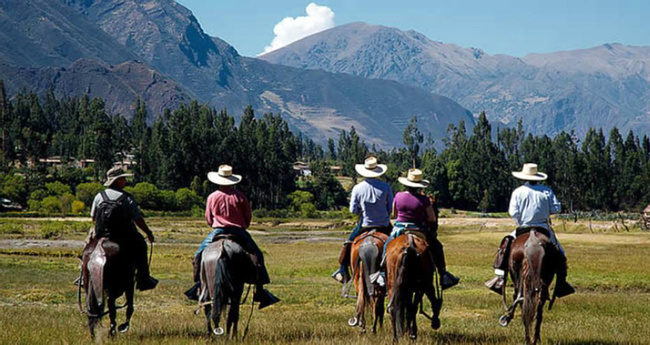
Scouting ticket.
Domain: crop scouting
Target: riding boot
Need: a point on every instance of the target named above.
(264, 297)
(438, 255)
(500, 265)
(193, 292)
(342, 275)
(562, 288)
(144, 280)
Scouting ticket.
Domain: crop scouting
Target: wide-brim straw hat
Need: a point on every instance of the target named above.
(414, 179)
(224, 177)
(529, 173)
(114, 174)
(370, 168)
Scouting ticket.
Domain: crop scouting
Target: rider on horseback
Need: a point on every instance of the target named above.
(228, 212)
(119, 225)
(414, 211)
(372, 200)
(531, 206)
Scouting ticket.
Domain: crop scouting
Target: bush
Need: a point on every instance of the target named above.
(308, 210)
(78, 207)
(33, 205)
(38, 195)
(13, 187)
(167, 200)
(298, 198)
(66, 202)
(187, 199)
(52, 230)
(86, 192)
(146, 194)
(57, 188)
(51, 204)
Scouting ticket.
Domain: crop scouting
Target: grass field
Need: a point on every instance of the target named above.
(38, 262)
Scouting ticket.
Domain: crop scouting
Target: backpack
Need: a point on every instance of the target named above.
(111, 216)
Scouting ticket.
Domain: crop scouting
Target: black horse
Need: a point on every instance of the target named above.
(225, 268)
(108, 274)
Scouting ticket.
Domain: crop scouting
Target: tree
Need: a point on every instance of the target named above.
(412, 138)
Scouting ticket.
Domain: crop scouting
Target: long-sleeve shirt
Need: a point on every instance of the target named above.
(532, 205)
(228, 207)
(373, 200)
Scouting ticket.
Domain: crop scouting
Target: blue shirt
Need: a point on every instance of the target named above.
(532, 205)
(373, 200)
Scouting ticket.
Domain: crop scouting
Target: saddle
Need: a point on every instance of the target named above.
(372, 231)
(526, 229)
(232, 237)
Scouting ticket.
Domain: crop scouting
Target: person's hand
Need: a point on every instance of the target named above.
(150, 237)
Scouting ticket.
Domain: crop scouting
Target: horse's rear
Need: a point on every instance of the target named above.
(531, 268)
(109, 274)
(225, 267)
(410, 276)
(366, 255)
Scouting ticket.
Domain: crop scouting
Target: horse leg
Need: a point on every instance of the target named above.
(207, 310)
(538, 323)
(361, 303)
(217, 306)
(412, 313)
(233, 315)
(123, 328)
(436, 305)
(112, 314)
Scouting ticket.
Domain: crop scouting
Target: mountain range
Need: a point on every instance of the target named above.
(604, 86)
(156, 50)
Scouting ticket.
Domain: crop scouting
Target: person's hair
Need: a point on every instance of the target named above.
(413, 190)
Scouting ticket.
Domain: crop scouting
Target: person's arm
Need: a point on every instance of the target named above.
(394, 209)
(247, 213)
(354, 202)
(513, 210)
(556, 206)
(431, 214)
(145, 228)
(208, 211)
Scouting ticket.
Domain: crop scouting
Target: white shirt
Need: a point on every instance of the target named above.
(532, 205)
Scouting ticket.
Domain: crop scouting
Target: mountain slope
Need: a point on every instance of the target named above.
(167, 39)
(603, 86)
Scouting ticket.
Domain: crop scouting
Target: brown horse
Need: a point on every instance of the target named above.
(366, 255)
(108, 273)
(411, 270)
(225, 268)
(531, 262)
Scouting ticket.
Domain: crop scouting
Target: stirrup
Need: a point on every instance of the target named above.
(378, 278)
(496, 284)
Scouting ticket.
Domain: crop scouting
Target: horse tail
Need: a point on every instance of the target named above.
(532, 279)
(404, 286)
(368, 257)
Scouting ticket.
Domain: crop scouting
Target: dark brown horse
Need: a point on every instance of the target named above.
(225, 268)
(108, 273)
(531, 266)
(366, 255)
(410, 269)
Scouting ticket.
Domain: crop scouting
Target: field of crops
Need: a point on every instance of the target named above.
(38, 303)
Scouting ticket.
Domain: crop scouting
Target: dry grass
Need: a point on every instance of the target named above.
(610, 270)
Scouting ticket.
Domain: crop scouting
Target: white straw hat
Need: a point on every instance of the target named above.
(224, 177)
(114, 174)
(414, 179)
(370, 168)
(529, 173)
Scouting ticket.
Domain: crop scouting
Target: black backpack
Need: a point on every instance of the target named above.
(111, 216)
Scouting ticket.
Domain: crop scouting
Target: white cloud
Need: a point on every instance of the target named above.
(290, 29)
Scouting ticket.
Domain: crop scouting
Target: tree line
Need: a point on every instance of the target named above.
(179, 147)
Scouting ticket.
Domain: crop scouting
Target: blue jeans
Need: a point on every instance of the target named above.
(239, 232)
(398, 226)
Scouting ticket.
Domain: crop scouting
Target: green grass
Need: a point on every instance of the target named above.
(610, 271)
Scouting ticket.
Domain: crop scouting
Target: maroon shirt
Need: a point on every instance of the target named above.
(228, 207)
(411, 208)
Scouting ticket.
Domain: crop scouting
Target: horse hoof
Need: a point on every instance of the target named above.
(112, 332)
(504, 320)
(435, 323)
(413, 336)
(218, 331)
(353, 321)
(123, 328)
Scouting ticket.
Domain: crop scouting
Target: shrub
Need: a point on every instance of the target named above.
(13, 187)
(298, 198)
(52, 230)
(78, 207)
(187, 199)
(86, 192)
(33, 205)
(146, 194)
(57, 188)
(38, 195)
(167, 200)
(66, 202)
(308, 210)
(51, 204)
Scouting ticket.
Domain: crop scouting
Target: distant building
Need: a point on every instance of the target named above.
(301, 168)
(336, 169)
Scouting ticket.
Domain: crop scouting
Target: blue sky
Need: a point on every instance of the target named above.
(498, 27)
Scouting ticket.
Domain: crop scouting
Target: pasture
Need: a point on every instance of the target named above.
(38, 303)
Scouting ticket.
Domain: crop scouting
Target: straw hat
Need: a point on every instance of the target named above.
(414, 179)
(114, 174)
(370, 168)
(224, 177)
(529, 173)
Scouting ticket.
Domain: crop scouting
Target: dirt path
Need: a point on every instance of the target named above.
(12, 244)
